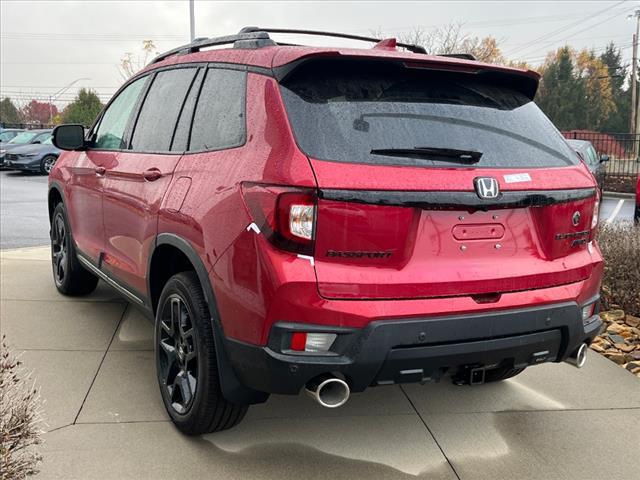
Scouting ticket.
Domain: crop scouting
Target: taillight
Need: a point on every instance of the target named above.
(285, 215)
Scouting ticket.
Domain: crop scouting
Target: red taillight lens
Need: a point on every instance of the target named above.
(298, 341)
(285, 215)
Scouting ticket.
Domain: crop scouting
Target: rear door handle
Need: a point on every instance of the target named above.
(100, 171)
(152, 174)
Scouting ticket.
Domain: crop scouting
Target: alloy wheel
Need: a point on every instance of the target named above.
(178, 354)
(59, 250)
(49, 162)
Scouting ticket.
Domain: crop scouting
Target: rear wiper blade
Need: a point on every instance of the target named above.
(443, 154)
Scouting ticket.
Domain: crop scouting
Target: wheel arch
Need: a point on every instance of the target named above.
(232, 388)
(54, 196)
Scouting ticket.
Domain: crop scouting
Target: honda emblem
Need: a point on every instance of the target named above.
(487, 187)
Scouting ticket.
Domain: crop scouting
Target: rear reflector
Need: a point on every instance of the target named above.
(312, 342)
(298, 341)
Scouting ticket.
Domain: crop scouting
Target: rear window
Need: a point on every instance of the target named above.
(342, 110)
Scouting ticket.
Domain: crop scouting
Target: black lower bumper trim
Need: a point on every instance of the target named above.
(395, 351)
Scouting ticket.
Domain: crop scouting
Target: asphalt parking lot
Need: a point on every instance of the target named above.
(92, 359)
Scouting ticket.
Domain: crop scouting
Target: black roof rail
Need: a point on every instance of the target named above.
(256, 37)
(247, 40)
(408, 46)
(464, 56)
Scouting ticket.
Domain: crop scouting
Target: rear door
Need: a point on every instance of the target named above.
(436, 183)
(139, 177)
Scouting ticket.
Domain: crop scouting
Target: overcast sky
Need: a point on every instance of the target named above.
(47, 45)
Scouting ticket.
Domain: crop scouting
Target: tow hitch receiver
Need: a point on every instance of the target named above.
(476, 376)
(469, 375)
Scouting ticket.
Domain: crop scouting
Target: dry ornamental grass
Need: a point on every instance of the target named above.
(620, 244)
(19, 419)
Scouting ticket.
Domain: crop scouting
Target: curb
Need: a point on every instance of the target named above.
(618, 195)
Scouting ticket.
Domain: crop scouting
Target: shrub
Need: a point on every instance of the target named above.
(620, 244)
(19, 418)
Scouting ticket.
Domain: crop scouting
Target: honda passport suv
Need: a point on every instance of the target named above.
(333, 219)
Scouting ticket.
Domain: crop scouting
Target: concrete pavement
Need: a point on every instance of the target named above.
(93, 359)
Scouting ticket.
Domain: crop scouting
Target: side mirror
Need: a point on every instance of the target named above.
(69, 137)
(604, 158)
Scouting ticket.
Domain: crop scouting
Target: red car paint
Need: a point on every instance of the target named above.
(439, 262)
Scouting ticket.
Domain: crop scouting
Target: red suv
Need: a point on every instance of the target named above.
(334, 218)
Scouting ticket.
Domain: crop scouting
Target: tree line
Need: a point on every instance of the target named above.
(578, 89)
(83, 109)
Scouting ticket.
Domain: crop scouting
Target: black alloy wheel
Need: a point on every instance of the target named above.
(186, 360)
(178, 354)
(59, 249)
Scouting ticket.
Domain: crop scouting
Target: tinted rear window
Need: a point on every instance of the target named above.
(342, 110)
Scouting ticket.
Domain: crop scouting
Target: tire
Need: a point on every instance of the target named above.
(70, 277)
(501, 373)
(47, 163)
(636, 215)
(186, 364)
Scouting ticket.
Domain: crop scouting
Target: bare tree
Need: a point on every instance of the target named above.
(449, 39)
(131, 63)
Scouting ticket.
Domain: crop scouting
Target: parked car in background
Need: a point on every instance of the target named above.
(329, 219)
(26, 137)
(591, 158)
(7, 134)
(36, 157)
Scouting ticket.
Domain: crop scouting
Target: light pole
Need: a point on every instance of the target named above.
(633, 121)
(192, 22)
(58, 93)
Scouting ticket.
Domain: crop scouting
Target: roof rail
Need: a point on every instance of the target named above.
(247, 40)
(408, 46)
(256, 37)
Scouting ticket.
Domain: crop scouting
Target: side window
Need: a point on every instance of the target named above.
(593, 156)
(159, 113)
(219, 120)
(110, 134)
(181, 136)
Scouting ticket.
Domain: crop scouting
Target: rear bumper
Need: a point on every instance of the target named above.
(399, 351)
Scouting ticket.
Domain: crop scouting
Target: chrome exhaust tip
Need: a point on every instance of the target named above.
(579, 357)
(328, 391)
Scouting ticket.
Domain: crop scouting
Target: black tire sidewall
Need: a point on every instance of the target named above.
(182, 286)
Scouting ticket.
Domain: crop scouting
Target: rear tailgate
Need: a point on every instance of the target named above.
(437, 183)
(440, 242)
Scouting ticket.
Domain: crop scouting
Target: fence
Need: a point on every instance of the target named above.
(623, 166)
(25, 126)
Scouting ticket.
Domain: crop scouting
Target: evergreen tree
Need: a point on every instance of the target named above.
(8, 112)
(562, 93)
(618, 121)
(84, 109)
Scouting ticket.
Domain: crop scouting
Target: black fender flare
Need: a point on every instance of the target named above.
(232, 389)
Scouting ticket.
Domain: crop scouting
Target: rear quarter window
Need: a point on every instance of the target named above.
(341, 110)
(219, 119)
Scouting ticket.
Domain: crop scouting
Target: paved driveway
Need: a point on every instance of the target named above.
(93, 359)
